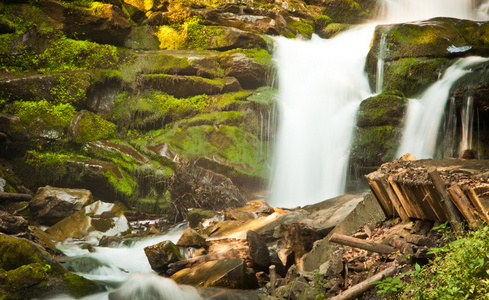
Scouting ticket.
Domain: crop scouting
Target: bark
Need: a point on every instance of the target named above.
(358, 243)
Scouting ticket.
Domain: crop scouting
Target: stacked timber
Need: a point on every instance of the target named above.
(439, 190)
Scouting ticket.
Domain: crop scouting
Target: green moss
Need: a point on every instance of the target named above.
(26, 276)
(321, 21)
(155, 110)
(122, 182)
(216, 118)
(375, 145)
(382, 109)
(302, 26)
(92, 127)
(228, 145)
(71, 88)
(413, 75)
(264, 95)
(260, 56)
(51, 116)
(80, 286)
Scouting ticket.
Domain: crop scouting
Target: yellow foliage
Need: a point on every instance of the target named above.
(170, 38)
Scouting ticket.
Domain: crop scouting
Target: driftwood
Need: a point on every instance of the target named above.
(464, 206)
(16, 197)
(454, 215)
(362, 244)
(365, 285)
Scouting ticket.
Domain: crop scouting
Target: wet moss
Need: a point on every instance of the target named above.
(80, 286)
(91, 127)
(26, 276)
(383, 109)
(122, 182)
(373, 146)
(413, 76)
(301, 27)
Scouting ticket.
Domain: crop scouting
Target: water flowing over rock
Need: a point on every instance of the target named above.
(161, 255)
(50, 205)
(97, 219)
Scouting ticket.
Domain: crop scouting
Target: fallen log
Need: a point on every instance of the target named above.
(477, 203)
(453, 214)
(365, 285)
(362, 244)
(16, 197)
(464, 206)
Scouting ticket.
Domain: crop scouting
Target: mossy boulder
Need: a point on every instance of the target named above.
(87, 126)
(196, 216)
(252, 68)
(412, 76)
(186, 86)
(348, 11)
(434, 38)
(97, 219)
(161, 255)
(142, 38)
(377, 135)
(16, 252)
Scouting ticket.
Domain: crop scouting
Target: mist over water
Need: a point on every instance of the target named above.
(321, 84)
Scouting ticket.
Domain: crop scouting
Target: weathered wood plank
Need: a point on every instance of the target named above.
(464, 206)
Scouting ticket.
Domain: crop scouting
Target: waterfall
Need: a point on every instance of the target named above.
(467, 124)
(380, 65)
(321, 83)
(425, 114)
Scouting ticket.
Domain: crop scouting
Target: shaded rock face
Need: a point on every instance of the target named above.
(96, 219)
(51, 205)
(10, 224)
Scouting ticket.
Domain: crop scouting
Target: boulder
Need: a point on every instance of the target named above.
(227, 273)
(87, 126)
(16, 252)
(186, 86)
(161, 255)
(191, 238)
(10, 224)
(434, 38)
(246, 244)
(105, 26)
(196, 216)
(97, 219)
(51, 205)
(248, 71)
(367, 211)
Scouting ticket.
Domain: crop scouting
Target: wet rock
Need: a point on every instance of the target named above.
(142, 38)
(110, 241)
(10, 224)
(97, 219)
(51, 205)
(235, 214)
(161, 255)
(257, 207)
(227, 273)
(87, 126)
(191, 238)
(196, 216)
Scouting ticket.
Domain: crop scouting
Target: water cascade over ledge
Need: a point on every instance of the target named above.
(321, 83)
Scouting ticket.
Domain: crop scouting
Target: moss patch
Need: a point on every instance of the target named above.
(87, 126)
(80, 286)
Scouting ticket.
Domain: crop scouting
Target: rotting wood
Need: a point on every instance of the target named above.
(405, 203)
(16, 197)
(477, 203)
(453, 214)
(381, 196)
(365, 285)
(464, 206)
(395, 200)
(362, 244)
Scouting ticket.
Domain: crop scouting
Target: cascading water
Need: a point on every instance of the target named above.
(424, 115)
(467, 124)
(321, 83)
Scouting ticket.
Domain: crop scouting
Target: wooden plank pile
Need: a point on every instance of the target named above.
(439, 190)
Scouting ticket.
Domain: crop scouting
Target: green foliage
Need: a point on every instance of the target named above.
(318, 284)
(389, 287)
(459, 270)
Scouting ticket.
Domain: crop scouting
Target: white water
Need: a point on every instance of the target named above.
(467, 124)
(425, 114)
(321, 83)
